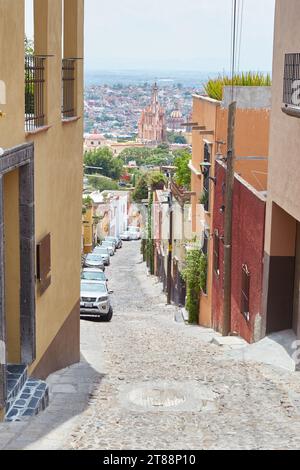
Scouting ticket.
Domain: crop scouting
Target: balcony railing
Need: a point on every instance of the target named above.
(34, 92)
(68, 91)
(291, 85)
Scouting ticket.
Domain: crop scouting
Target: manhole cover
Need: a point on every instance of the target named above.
(156, 397)
(167, 396)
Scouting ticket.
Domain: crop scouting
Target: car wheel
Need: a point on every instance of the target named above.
(109, 316)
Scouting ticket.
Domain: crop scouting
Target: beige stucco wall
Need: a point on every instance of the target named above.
(58, 153)
(284, 187)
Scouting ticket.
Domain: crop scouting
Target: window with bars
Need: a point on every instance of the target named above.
(216, 253)
(68, 89)
(34, 92)
(245, 296)
(291, 82)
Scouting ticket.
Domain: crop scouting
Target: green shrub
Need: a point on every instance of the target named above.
(214, 87)
(195, 276)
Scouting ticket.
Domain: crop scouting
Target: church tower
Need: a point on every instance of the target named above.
(152, 125)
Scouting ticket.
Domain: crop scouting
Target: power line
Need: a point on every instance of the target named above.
(233, 46)
(241, 24)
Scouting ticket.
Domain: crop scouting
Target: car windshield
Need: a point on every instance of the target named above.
(101, 251)
(93, 258)
(93, 287)
(91, 276)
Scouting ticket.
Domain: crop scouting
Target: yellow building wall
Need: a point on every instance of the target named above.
(58, 159)
(88, 231)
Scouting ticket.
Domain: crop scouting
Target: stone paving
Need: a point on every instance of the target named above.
(148, 382)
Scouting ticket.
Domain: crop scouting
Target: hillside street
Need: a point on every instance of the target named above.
(147, 381)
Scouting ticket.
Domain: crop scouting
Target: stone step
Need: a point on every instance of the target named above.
(16, 376)
(26, 396)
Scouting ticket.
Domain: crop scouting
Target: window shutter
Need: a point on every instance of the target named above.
(245, 309)
(44, 263)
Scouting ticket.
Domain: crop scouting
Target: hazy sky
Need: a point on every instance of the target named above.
(175, 34)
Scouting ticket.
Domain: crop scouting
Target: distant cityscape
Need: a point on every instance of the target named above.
(113, 109)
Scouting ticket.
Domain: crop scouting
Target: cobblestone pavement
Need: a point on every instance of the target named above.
(148, 382)
(166, 387)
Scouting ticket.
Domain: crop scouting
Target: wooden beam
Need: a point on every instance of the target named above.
(206, 132)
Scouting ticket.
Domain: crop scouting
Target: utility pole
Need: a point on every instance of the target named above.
(226, 327)
(170, 246)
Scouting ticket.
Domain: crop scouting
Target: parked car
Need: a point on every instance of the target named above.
(104, 253)
(117, 240)
(135, 232)
(94, 260)
(110, 246)
(95, 301)
(90, 274)
(126, 236)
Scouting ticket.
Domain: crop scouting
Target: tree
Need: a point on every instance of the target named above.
(101, 183)
(28, 46)
(141, 190)
(104, 159)
(183, 172)
(139, 155)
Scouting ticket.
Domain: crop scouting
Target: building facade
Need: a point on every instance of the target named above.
(248, 229)
(282, 243)
(41, 189)
(152, 125)
(209, 136)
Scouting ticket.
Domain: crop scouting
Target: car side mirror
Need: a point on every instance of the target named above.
(110, 291)
(107, 279)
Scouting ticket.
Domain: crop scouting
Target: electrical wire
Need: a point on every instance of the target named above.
(241, 24)
(233, 47)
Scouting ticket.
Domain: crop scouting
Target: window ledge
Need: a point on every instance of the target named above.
(38, 130)
(72, 119)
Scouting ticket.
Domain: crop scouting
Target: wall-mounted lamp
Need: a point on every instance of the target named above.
(205, 169)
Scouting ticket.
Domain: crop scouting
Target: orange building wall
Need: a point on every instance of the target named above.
(252, 140)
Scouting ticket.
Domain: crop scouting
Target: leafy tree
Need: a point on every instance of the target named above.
(164, 146)
(183, 173)
(141, 190)
(101, 183)
(156, 178)
(180, 139)
(139, 155)
(28, 46)
(104, 159)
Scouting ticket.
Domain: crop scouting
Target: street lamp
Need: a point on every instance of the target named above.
(205, 169)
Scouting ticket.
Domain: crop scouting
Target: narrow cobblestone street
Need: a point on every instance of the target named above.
(161, 384)
(211, 403)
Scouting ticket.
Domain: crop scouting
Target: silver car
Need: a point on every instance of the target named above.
(104, 253)
(95, 301)
(90, 274)
(94, 260)
(111, 247)
(116, 240)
